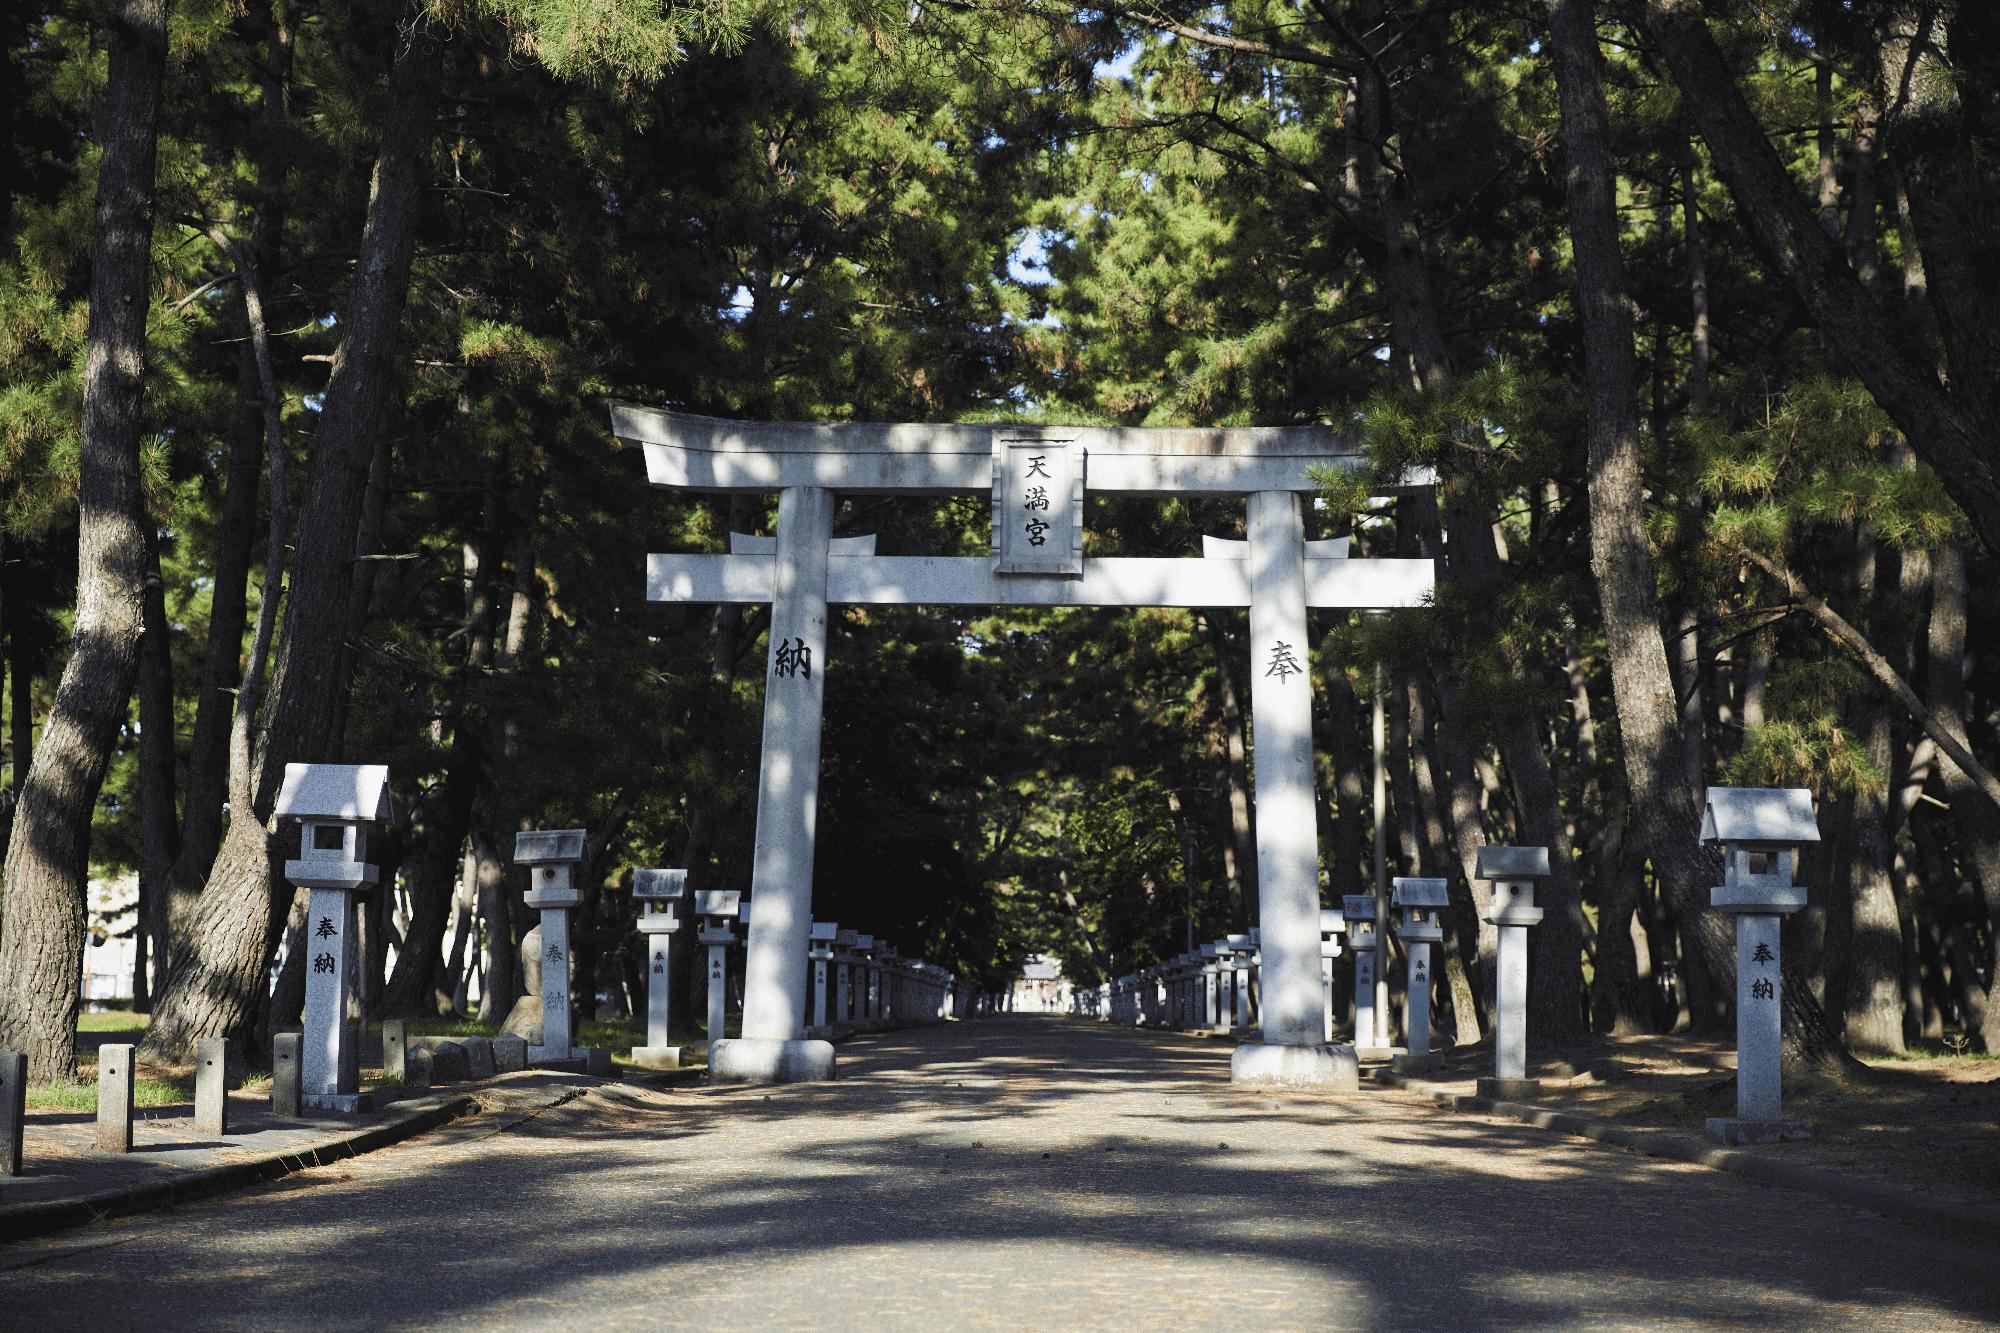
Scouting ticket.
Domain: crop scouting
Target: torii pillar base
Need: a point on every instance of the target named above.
(762, 1060)
(657, 1057)
(1734, 1133)
(1323, 1068)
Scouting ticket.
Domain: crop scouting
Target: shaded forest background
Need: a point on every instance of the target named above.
(1690, 307)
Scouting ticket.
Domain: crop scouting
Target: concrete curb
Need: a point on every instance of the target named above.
(42, 1216)
(1890, 1201)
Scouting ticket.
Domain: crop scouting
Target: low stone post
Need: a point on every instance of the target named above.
(286, 1074)
(336, 806)
(211, 1086)
(1514, 872)
(820, 940)
(13, 1109)
(1421, 901)
(1212, 987)
(890, 976)
(1760, 831)
(717, 908)
(657, 891)
(114, 1099)
(1332, 925)
(395, 1048)
(551, 857)
(1370, 1041)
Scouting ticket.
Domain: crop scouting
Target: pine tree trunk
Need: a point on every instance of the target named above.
(236, 530)
(1666, 810)
(158, 821)
(41, 941)
(217, 988)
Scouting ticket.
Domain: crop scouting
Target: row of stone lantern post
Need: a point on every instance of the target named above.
(855, 982)
(1759, 832)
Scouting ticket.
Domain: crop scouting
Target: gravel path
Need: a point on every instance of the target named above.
(1014, 1173)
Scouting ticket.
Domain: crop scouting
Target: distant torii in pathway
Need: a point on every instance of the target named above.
(1037, 477)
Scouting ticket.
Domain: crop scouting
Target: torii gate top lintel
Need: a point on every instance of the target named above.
(691, 452)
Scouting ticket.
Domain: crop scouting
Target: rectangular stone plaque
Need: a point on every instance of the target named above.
(1358, 906)
(663, 885)
(1038, 503)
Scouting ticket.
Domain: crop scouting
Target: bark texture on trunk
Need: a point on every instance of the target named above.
(41, 941)
(158, 825)
(215, 981)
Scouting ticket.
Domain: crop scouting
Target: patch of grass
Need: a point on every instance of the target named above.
(82, 1096)
(115, 1020)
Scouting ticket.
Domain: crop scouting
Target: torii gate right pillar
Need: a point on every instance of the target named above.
(1293, 1051)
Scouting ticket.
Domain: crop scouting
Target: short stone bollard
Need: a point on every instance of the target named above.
(1760, 830)
(1514, 871)
(336, 805)
(13, 1109)
(285, 1074)
(659, 891)
(395, 1048)
(114, 1099)
(1421, 901)
(510, 1054)
(211, 1086)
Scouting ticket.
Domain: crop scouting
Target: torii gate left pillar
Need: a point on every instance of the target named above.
(773, 1047)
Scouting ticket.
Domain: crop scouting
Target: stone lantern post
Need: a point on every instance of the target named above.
(551, 857)
(1760, 831)
(1370, 1026)
(1332, 925)
(717, 908)
(1514, 872)
(1421, 901)
(336, 805)
(658, 891)
(820, 942)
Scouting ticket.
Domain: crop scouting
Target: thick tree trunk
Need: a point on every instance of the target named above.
(1348, 870)
(497, 965)
(217, 987)
(236, 530)
(41, 942)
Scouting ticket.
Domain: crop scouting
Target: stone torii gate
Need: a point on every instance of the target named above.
(1037, 477)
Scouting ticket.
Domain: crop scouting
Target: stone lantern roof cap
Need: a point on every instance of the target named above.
(351, 792)
(547, 846)
(1782, 815)
(1332, 921)
(825, 930)
(660, 884)
(718, 902)
(1513, 863)
(1420, 893)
